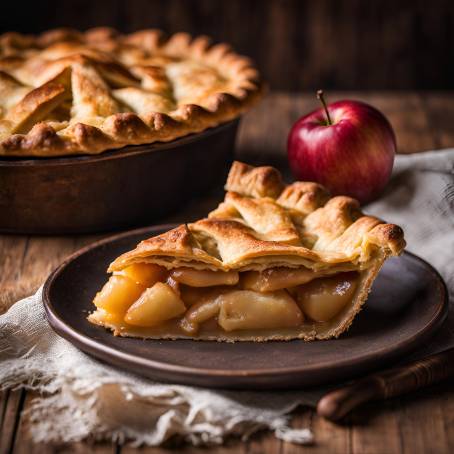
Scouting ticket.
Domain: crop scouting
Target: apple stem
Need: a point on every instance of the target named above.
(321, 98)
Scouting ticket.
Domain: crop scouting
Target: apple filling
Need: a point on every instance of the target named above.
(185, 301)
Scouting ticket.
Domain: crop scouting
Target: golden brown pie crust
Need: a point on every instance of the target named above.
(67, 92)
(262, 224)
(267, 224)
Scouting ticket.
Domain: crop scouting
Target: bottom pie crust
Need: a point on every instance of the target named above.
(211, 331)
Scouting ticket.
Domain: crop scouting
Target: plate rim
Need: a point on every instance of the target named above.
(89, 345)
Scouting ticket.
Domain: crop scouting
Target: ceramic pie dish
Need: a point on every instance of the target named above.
(157, 116)
(116, 189)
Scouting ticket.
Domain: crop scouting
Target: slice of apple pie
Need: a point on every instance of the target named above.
(272, 262)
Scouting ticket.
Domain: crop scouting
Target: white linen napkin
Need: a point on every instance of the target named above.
(85, 398)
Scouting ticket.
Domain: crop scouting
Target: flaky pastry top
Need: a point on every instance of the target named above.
(263, 223)
(68, 92)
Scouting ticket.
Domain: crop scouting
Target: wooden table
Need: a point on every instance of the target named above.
(420, 423)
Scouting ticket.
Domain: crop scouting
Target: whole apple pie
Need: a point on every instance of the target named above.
(272, 262)
(66, 92)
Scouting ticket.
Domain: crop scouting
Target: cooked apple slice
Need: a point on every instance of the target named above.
(246, 309)
(192, 295)
(276, 278)
(118, 294)
(174, 285)
(156, 305)
(146, 274)
(113, 318)
(322, 299)
(204, 278)
(199, 313)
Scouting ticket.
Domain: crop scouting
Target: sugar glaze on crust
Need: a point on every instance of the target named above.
(67, 92)
(262, 224)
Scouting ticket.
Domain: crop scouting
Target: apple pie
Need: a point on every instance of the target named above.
(271, 262)
(66, 92)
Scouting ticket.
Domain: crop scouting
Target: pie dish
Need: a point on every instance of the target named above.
(272, 262)
(67, 92)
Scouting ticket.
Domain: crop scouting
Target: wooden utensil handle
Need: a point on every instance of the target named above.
(393, 382)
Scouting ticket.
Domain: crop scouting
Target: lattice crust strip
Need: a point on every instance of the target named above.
(66, 92)
(262, 223)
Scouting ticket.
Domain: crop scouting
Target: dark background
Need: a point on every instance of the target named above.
(298, 45)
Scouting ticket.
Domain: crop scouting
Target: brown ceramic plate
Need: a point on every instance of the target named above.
(117, 189)
(407, 304)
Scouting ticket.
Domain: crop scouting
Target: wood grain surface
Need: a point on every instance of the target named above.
(417, 423)
(394, 382)
(297, 44)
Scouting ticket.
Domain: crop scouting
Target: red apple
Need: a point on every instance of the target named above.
(347, 146)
